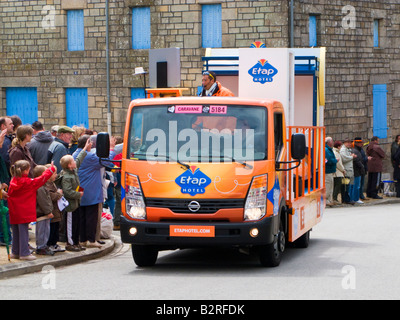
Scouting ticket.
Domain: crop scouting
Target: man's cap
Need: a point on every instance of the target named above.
(65, 129)
(358, 139)
(347, 140)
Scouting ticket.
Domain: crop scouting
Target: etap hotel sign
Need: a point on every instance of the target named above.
(264, 73)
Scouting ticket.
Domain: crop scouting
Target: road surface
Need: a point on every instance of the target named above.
(353, 254)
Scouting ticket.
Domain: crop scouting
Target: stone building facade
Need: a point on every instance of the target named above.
(34, 52)
(354, 64)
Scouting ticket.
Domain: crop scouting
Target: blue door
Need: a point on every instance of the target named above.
(380, 110)
(22, 102)
(76, 100)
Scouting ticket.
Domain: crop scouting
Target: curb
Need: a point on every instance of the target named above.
(368, 203)
(63, 259)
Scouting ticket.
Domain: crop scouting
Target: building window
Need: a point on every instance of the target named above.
(380, 110)
(75, 30)
(76, 100)
(313, 27)
(376, 33)
(211, 26)
(141, 32)
(22, 102)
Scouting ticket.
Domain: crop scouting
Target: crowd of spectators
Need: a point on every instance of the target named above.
(54, 180)
(349, 162)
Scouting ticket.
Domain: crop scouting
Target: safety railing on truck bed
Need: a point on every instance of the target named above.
(309, 177)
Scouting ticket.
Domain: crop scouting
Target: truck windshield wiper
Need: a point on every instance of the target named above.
(167, 157)
(243, 163)
(178, 161)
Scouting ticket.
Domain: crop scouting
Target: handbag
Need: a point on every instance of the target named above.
(346, 180)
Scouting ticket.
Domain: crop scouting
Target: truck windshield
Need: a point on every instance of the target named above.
(198, 133)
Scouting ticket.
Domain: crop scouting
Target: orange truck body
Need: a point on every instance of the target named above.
(168, 224)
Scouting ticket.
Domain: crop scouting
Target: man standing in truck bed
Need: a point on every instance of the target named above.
(212, 87)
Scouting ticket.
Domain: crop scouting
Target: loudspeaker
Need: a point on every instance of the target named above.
(162, 74)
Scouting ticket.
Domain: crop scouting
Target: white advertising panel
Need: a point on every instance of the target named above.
(172, 57)
(265, 73)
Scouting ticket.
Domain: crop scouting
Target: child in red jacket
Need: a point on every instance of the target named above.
(22, 206)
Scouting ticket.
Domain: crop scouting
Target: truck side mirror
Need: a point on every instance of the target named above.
(298, 146)
(103, 145)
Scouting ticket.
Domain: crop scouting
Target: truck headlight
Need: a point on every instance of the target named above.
(256, 201)
(135, 206)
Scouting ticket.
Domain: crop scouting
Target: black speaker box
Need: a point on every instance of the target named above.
(162, 74)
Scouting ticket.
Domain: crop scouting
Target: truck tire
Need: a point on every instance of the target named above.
(271, 255)
(303, 241)
(144, 256)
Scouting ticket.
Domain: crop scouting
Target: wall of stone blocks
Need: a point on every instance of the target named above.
(353, 64)
(31, 55)
(35, 56)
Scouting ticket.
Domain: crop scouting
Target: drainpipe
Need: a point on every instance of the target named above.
(291, 23)
(109, 128)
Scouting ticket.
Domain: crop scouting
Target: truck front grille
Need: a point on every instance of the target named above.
(206, 205)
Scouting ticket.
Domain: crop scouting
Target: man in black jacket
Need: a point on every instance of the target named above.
(6, 123)
(396, 165)
(358, 145)
(359, 171)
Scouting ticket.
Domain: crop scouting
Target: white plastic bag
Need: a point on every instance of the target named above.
(106, 224)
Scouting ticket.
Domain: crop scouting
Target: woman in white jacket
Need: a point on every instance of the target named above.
(347, 159)
(340, 172)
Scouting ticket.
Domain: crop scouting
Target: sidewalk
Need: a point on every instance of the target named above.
(369, 202)
(17, 267)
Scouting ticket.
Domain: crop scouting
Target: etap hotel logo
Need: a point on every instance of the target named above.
(193, 181)
(263, 72)
(258, 45)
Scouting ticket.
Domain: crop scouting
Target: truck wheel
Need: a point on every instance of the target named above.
(303, 241)
(270, 255)
(144, 256)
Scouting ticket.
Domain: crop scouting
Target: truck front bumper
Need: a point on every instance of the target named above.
(226, 234)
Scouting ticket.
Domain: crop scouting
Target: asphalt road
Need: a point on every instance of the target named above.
(353, 254)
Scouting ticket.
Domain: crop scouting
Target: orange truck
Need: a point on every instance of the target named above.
(208, 172)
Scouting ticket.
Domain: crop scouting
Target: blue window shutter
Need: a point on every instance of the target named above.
(137, 93)
(380, 110)
(376, 33)
(76, 100)
(22, 102)
(313, 31)
(76, 30)
(141, 28)
(212, 26)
